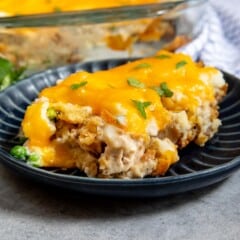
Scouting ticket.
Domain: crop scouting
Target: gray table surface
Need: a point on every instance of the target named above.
(28, 211)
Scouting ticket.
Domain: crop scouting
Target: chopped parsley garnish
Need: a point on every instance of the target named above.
(142, 65)
(57, 9)
(135, 83)
(180, 64)
(162, 56)
(141, 107)
(9, 74)
(78, 85)
(163, 90)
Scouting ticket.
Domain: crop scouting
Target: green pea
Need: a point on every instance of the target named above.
(19, 152)
(33, 159)
(51, 113)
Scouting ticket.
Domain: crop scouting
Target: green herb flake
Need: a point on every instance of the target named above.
(141, 107)
(75, 86)
(163, 90)
(135, 83)
(162, 56)
(158, 90)
(57, 9)
(166, 90)
(142, 65)
(180, 64)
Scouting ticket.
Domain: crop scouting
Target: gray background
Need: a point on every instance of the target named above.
(28, 211)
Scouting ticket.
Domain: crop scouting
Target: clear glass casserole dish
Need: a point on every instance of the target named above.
(60, 37)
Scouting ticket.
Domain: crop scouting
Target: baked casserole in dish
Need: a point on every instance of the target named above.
(42, 34)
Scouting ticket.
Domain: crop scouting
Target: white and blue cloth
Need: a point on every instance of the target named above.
(218, 44)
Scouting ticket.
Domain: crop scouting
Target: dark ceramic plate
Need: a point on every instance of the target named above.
(198, 167)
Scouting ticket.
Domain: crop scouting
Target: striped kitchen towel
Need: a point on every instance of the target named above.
(219, 43)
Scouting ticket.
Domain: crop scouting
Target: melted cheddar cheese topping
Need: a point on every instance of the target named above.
(12, 7)
(112, 96)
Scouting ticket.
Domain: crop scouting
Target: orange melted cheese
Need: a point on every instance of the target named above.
(41, 125)
(38, 128)
(12, 7)
(110, 96)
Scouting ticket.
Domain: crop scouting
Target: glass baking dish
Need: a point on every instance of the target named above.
(52, 39)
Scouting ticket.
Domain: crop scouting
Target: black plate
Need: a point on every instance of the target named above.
(198, 167)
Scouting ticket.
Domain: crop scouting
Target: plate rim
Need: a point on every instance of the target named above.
(231, 165)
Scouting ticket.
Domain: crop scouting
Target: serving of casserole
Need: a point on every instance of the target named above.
(126, 122)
